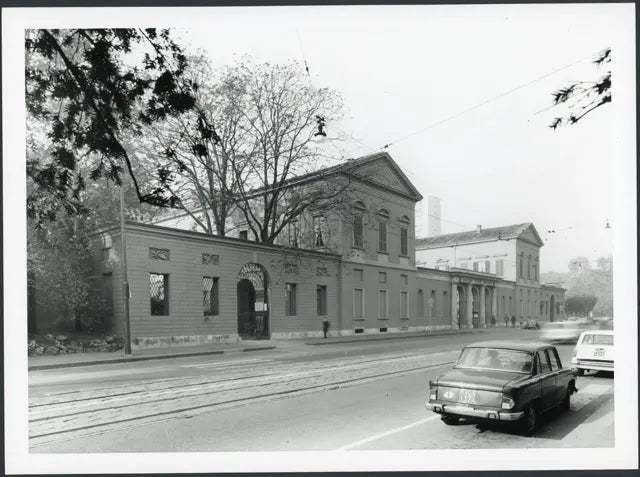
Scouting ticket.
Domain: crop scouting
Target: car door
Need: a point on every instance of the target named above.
(561, 382)
(547, 380)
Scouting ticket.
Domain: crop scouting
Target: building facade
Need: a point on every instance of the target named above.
(354, 267)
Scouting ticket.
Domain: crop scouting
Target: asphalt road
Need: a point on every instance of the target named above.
(358, 396)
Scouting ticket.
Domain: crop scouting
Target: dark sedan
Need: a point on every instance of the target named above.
(503, 381)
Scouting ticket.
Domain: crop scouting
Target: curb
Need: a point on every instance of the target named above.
(143, 358)
(376, 338)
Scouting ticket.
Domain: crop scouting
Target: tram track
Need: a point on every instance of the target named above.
(48, 423)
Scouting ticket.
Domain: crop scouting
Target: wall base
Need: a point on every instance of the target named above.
(171, 341)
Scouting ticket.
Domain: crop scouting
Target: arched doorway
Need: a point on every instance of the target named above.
(552, 308)
(253, 302)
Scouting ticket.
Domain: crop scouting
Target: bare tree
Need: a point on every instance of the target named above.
(582, 97)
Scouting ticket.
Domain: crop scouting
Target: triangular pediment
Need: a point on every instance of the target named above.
(530, 234)
(382, 171)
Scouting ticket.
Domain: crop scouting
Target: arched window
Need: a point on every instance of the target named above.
(404, 235)
(383, 218)
(358, 228)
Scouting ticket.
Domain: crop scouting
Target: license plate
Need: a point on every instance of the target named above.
(599, 352)
(467, 396)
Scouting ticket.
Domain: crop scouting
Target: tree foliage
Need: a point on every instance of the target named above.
(88, 88)
(268, 137)
(580, 305)
(582, 97)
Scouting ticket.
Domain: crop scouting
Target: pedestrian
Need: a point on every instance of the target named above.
(506, 320)
(325, 327)
(513, 321)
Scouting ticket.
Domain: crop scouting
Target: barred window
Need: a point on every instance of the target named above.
(159, 290)
(290, 299)
(210, 259)
(158, 253)
(321, 295)
(210, 296)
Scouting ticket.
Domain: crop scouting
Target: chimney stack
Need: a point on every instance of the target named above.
(479, 228)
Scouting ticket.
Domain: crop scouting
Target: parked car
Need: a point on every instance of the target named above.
(594, 351)
(531, 325)
(510, 381)
(562, 331)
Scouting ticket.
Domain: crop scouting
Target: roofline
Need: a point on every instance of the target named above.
(525, 226)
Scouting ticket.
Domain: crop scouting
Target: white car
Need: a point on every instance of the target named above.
(594, 350)
(561, 331)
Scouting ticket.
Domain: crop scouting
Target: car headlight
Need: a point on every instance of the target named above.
(508, 403)
(433, 394)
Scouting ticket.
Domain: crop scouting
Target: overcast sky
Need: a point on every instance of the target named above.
(403, 69)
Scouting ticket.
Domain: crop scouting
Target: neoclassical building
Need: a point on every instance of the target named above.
(360, 268)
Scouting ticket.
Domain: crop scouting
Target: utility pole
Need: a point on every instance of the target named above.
(125, 281)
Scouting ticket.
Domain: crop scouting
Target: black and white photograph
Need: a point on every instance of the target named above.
(320, 238)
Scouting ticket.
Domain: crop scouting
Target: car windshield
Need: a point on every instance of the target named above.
(496, 359)
(594, 339)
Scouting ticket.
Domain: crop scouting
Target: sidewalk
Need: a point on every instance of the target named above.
(89, 359)
(106, 357)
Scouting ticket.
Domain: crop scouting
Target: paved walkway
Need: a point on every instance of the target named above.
(87, 359)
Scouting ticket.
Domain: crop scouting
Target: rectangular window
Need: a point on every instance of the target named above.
(244, 235)
(487, 267)
(290, 299)
(358, 303)
(357, 274)
(210, 259)
(382, 236)
(535, 271)
(528, 269)
(159, 290)
(475, 266)
(420, 304)
(293, 233)
(404, 248)
(158, 253)
(543, 361)
(210, 295)
(404, 279)
(404, 304)
(319, 231)
(382, 277)
(382, 304)
(321, 296)
(464, 265)
(500, 267)
(521, 269)
(358, 240)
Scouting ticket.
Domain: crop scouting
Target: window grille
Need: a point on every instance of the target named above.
(210, 295)
(158, 253)
(290, 299)
(321, 295)
(210, 259)
(159, 290)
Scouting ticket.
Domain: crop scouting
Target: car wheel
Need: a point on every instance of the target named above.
(529, 421)
(450, 420)
(565, 405)
(581, 372)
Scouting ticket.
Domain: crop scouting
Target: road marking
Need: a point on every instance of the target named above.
(225, 363)
(387, 433)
